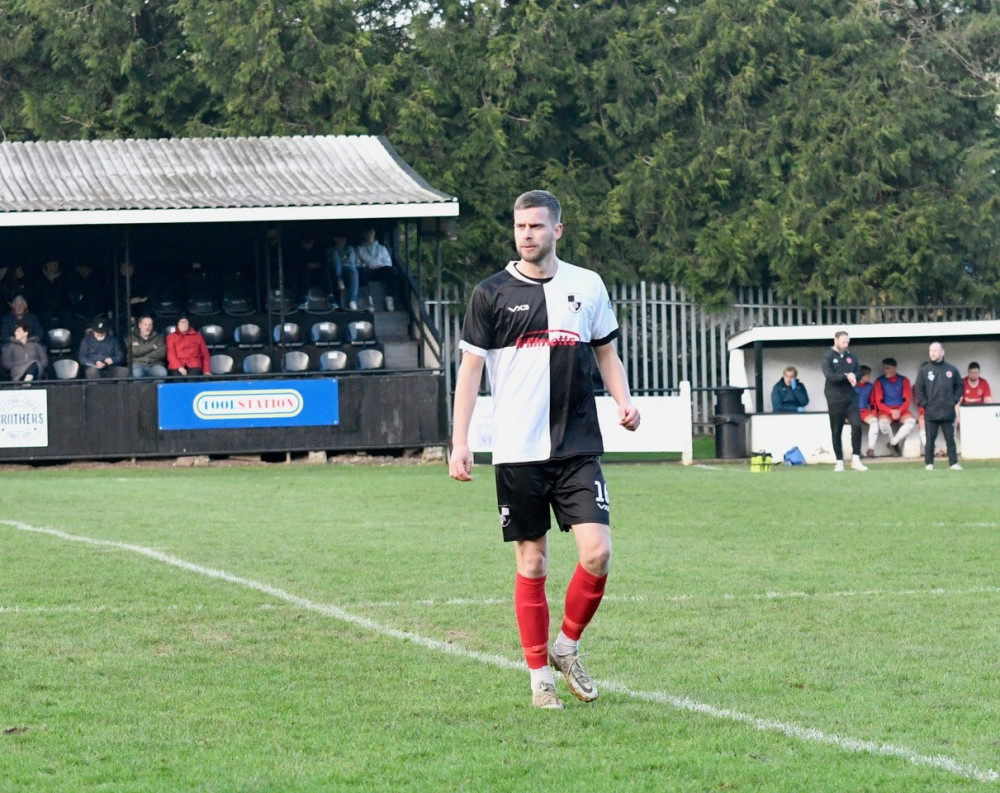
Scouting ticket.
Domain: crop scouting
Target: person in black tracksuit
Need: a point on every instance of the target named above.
(938, 390)
(842, 372)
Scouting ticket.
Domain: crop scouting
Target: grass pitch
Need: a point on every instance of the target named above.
(329, 628)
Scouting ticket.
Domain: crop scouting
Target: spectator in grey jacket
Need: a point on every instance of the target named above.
(149, 350)
(24, 357)
(100, 353)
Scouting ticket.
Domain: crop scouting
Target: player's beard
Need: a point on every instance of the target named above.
(539, 254)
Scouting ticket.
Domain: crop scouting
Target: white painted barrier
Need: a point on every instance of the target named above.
(666, 425)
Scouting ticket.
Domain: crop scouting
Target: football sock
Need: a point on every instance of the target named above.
(564, 645)
(583, 596)
(872, 434)
(541, 675)
(532, 611)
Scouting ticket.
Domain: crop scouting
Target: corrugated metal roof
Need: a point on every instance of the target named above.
(206, 179)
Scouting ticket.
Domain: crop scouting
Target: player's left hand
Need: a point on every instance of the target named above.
(628, 417)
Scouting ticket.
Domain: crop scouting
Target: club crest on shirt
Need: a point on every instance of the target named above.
(573, 304)
(947, 374)
(848, 359)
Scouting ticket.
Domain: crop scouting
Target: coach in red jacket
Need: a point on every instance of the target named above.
(187, 353)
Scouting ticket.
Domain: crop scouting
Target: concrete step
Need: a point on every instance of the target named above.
(400, 354)
(392, 326)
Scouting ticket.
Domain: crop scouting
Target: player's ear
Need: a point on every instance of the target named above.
(557, 231)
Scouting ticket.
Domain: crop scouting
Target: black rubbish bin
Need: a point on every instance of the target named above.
(730, 422)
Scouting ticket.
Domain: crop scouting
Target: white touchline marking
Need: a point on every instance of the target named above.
(680, 703)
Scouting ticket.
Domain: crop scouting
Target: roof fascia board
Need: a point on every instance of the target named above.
(115, 217)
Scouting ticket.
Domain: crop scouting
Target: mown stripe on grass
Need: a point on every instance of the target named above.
(797, 732)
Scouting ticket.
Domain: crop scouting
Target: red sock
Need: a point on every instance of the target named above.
(583, 596)
(532, 611)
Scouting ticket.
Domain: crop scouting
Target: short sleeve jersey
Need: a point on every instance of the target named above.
(536, 337)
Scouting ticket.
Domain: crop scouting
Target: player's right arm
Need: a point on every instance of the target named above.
(470, 373)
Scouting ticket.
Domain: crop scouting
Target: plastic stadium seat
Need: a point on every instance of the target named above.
(221, 364)
(316, 302)
(237, 305)
(168, 330)
(248, 336)
(361, 331)
(202, 306)
(333, 361)
(371, 359)
(287, 335)
(324, 334)
(258, 363)
(60, 341)
(166, 307)
(214, 336)
(66, 369)
(295, 361)
(276, 302)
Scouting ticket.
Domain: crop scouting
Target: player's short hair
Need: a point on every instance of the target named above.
(889, 362)
(865, 369)
(840, 333)
(974, 365)
(792, 369)
(540, 198)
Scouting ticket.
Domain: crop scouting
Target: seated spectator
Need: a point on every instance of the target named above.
(19, 315)
(25, 357)
(149, 350)
(376, 265)
(88, 294)
(100, 353)
(977, 390)
(187, 353)
(864, 390)
(891, 398)
(343, 260)
(788, 394)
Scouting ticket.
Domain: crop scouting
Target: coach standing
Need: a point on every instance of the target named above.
(939, 389)
(841, 370)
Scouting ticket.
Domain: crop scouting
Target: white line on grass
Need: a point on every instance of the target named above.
(795, 731)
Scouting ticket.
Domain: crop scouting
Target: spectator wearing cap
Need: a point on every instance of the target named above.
(24, 357)
(976, 389)
(187, 353)
(20, 315)
(100, 353)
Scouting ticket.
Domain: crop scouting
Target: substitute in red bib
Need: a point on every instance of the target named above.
(539, 326)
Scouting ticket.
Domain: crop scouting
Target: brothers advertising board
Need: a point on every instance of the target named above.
(248, 404)
(23, 418)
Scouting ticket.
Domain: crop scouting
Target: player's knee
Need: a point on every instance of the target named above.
(597, 560)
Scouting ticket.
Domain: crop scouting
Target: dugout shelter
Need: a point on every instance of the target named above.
(229, 215)
(758, 356)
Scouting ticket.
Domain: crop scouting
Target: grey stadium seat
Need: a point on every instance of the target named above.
(324, 334)
(221, 364)
(361, 332)
(258, 363)
(371, 359)
(248, 336)
(66, 369)
(60, 341)
(214, 336)
(295, 361)
(333, 361)
(287, 335)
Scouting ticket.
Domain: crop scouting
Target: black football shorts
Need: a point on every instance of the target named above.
(574, 489)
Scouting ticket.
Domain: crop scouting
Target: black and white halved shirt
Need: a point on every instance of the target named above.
(536, 337)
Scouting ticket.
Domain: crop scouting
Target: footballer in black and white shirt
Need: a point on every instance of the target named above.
(537, 337)
(539, 327)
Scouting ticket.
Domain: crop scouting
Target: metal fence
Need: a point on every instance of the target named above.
(667, 337)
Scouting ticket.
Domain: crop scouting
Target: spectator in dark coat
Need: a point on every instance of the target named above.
(19, 315)
(24, 357)
(100, 353)
(939, 389)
